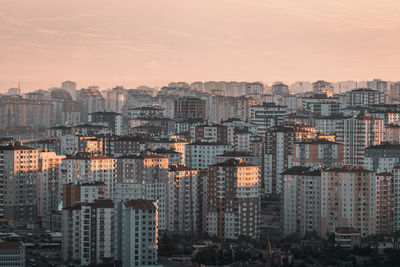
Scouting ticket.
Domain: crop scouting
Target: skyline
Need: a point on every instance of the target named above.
(134, 43)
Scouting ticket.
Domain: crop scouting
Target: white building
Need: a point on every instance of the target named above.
(85, 167)
(358, 133)
(266, 116)
(70, 87)
(330, 124)
(88, 232)
(136, 233)
(363, 97)
(301, 201)
(382, 157)
(144, 176)
(199, 155)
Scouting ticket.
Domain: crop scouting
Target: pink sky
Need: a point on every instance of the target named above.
(132, 42)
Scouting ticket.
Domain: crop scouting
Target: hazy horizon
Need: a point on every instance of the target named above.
(132, 43)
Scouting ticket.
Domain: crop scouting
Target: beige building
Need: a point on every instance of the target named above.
(144, 176)
(186, 207)
(384, 203)
(48, 185)
(301, 201)
(391, 133)
(348, 199)
(19, 170)
(233, 201)
(85, 167)
(317, 153)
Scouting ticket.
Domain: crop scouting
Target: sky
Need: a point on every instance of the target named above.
(153, 42)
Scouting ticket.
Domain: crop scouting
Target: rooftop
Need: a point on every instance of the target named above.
(15, 147)
(237, 162)
(10, 245)
(143, 155)
(386, 145)
(85, 155)
(180, 167)
(300, 170)
(348, 168)
(140, 204)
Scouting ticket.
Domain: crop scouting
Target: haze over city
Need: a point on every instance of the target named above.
(207, 133)
(151, 43)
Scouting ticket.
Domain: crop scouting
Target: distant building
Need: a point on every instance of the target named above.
(266, 116)
(70, 87)
(255, 89)
(347, 237)
(395, 198)
(199, 155)
(279, 88)
(382, 157)
(391, 133)
(318, 153)
(378, 85)
(189, 108)
(358, 133)
(322, 87)
(363, 97)
(146, 112)
(213, 133)
(14, 91)
(92, 101)
(278, 154)
(85, 167)
(111, 119)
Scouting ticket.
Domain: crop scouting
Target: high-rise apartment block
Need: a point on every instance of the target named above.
(233, 206)
(301, 200)
(88, 232)
(48, 185)
(189, 108)
(136, 233)
(358, 133)
(144, 176)
(86, 167)
(348, 199)
(19, 170)
(186, 205)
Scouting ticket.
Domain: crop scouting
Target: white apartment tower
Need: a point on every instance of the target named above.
(86, 167)
(136, 232)
(358, 133)
(301, 201)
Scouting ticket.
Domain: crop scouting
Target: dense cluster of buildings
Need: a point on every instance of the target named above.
(116, 168)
